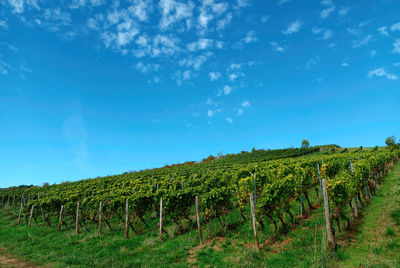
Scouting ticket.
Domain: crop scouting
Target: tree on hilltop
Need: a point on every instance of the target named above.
(305, 143)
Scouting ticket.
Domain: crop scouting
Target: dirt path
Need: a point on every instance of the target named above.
(6, 260)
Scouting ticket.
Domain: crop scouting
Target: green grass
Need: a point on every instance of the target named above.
(377, 238)
(376, 243)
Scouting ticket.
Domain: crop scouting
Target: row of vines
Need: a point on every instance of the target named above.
(274, 185)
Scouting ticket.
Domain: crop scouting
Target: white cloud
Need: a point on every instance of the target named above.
(326, 2)
(140, 9)
(4, 67)
(163, 44)
(383, 31)
(345, 64)
(240, 112)
(324, 34)
(9, 46)
(327, 12)
(214, 76)
(250, 37)
(3, 24)
(343, 11)
(146, 67)
(227, 89)
(81, 3)
(223, 23)
(233, 76)
(312, 62)
(395, 27)
(363, 41)
(354, 31)
(201, 44)
(327, 35)
(180, 77)
(18, 5)
(229, 120)
(380, 72)
(293, 27)
(173, 12)
(396, 46)
(241, 4)
(245, 104)
(211, 113)
(396, 64)
(195, 62)
(276, 47)
(372, 53)
(235, 66)
(209, 11)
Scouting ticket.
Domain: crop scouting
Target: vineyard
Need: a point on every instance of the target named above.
(205, 194)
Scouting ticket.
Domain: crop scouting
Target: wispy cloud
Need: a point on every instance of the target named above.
(146, 67)
(201, 44)
(396, 46)
(174, 12)
(395, 27)
(276, 47)
(326, 2)
(229, 120)
(227, 89)
(383, 31)
(211, 112)
(380, 72)
(363, 41)
(327, 12)
(245, 104)
(4, 67)
(312, 62)
(214, 76)
(3, 24)
(324, 34)
(293, 27)
(181, 76)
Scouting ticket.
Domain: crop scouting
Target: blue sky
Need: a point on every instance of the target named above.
(92, 87)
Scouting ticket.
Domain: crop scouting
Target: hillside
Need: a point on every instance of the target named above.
(149, 218)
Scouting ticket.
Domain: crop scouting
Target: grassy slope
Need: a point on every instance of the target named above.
(44, 245)
(377, 239)
(303, 246)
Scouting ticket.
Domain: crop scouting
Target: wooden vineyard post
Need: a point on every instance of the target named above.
(100, 213)
(253, 218)
(327, 219)
(161, 218)
(301, 204)
(126, 218)
(319, 179)
(198, 220)
(60, 218)
(20, 211)
(30, 217)
(77, 219)
(355, 206)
